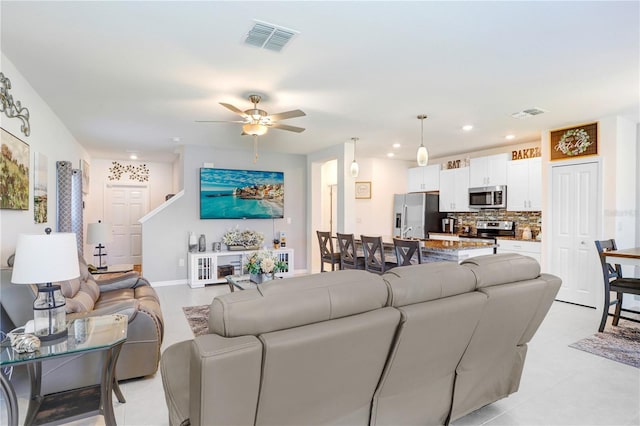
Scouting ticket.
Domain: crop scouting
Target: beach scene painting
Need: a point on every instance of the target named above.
(241, 194)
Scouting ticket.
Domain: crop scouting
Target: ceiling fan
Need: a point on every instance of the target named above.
(257, 121)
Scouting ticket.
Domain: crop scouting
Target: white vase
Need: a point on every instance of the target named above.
(193, 242)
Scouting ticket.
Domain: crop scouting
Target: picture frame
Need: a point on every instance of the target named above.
(573, 142)
(14, 172)
(363, 190)
(86, 176)
(40, 187)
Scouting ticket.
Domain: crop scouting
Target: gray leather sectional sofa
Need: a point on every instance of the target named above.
(419, 345)
(128, 294)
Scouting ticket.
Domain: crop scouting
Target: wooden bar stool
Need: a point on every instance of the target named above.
(406, 250)
(327, 255)
(374, 255)
(348, 255)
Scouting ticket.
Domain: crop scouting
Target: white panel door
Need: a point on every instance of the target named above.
(574, 210)
(124, 206)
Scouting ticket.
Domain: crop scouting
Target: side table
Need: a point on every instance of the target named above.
(104, 333)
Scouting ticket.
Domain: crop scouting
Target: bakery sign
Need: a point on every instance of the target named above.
(574, 141)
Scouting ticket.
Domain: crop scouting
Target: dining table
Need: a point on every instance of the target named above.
(630, 256)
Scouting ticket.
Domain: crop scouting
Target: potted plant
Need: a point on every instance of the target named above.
(262, 265)
(235, 239)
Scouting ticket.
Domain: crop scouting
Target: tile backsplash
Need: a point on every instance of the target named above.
(522, 220)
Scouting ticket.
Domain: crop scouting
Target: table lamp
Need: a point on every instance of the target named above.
(43, 259)
(98, 233)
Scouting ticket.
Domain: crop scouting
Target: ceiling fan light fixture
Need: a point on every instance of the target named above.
(254, 129)
(422, 155)
(354, 170)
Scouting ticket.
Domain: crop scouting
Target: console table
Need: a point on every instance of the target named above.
(203, 266)
(104, 333)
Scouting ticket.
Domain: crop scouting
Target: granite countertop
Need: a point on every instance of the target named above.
(533, 240)
(441, 245)
(444, 245)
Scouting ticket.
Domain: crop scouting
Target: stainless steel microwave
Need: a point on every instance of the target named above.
(488, 197)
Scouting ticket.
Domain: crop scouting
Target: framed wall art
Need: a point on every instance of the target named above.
(14, 173)
(86, 176)
(572, 142)
(40, 187)
(363, 190)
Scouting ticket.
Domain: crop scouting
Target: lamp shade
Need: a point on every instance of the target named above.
(254, 129)
(355, 169)
(45, 258)
(99, 233)
(422, 156)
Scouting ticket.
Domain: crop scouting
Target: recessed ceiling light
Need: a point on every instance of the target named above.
(467, 127)
(133, 157)
(396, 145)
(509, 137)
(176, 139)
(390, 154)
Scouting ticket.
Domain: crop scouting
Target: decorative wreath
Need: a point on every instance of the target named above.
(573, 142)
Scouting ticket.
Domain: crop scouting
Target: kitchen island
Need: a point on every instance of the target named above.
(442, 250)
(453, 251)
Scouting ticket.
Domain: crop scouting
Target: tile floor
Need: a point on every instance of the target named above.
(560, 385)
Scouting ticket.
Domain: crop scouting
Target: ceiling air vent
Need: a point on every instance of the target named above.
(528, 113)
(269, 36)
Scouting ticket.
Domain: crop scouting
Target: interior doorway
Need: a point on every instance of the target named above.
(574, 228)
(124, 206)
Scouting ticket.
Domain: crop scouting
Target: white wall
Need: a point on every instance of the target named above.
(164, 241)
(161, 182)
(388, 177)
(50, 137)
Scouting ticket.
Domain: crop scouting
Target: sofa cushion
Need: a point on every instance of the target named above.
(85, 298)
(429, 281)
(494, 269)
(296, 301)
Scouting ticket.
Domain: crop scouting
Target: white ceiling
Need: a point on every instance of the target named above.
(131, 76)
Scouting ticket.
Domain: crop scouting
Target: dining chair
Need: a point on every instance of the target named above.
(327, 255)
(614, 281)
(374, 255)
(348, 254)
(406, 250)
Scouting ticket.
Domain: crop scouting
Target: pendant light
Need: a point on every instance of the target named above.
(355, 169)
(423, 155)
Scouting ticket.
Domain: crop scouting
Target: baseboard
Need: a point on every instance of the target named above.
(168, 283)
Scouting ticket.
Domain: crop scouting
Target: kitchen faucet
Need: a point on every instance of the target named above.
(403, 232)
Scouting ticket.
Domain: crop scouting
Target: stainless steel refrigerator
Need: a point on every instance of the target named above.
(416, 214)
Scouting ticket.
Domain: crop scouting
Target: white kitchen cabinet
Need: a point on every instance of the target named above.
(524, 185)
(488, 171)
(454, 190)
(203, 266)
(526, 248)
(423, 179)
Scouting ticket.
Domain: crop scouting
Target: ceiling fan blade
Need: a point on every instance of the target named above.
(219, 121)
(287, 114)
(287, 127)
(234, 109)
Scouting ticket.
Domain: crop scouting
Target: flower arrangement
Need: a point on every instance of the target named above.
(264, 262)
(246, 238)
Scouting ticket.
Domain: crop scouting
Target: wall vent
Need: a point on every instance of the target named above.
(269, 36)
(528, 112)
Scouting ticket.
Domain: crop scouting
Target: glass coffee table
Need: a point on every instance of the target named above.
(241, 282)
(103, 333)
